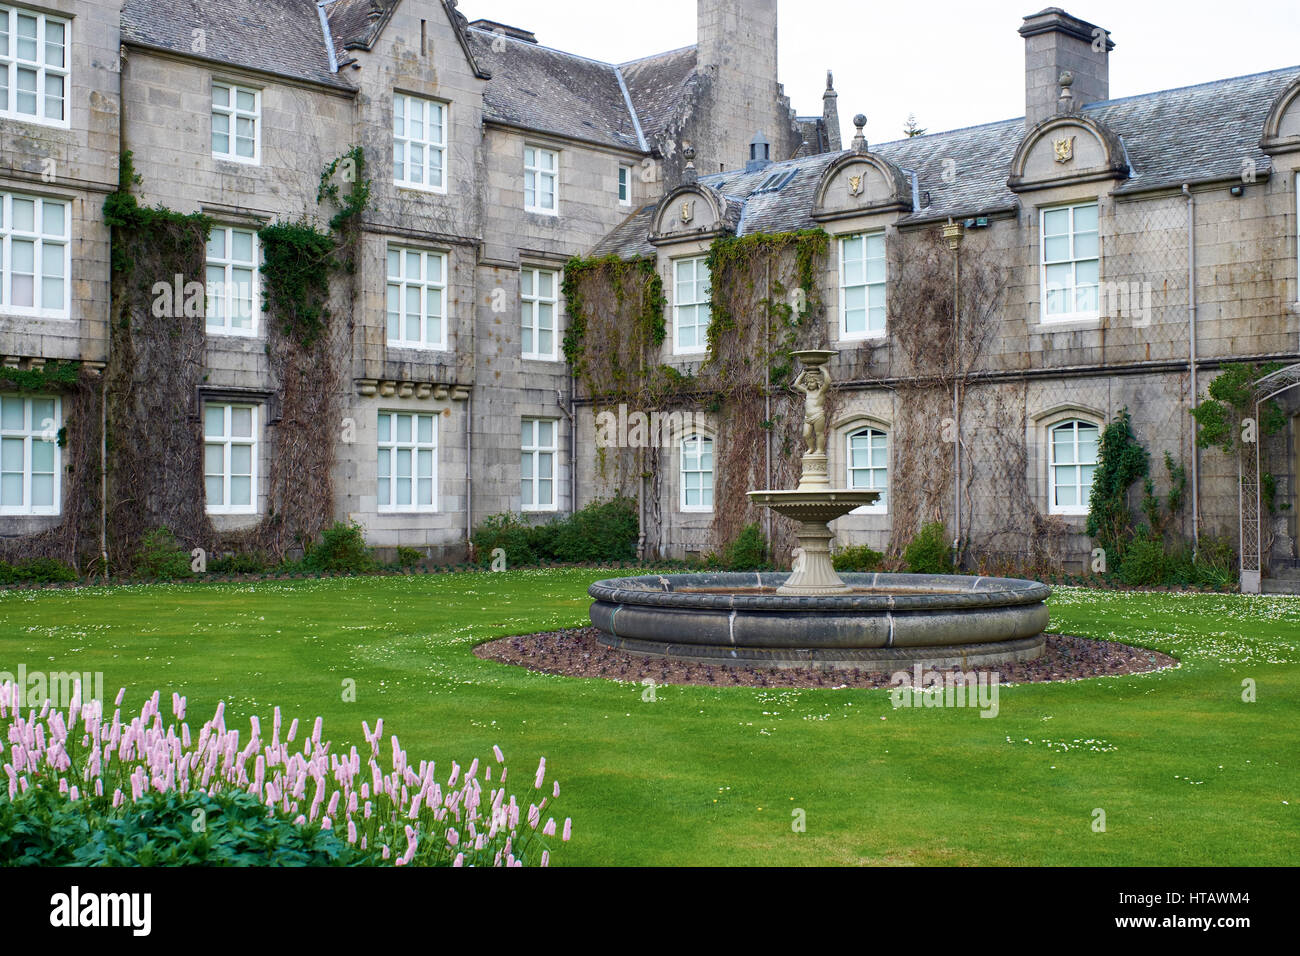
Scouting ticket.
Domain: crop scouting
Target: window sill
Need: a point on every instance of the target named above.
(238, 160)
(549, 359)
(381, 510)
(539, 511)
(231, 333)
(1068, 513)
(36, 120)
(224, 513)
(417, 188)
(686, 353)
(39, 316)
(695, 511)
(866, 337)
(553, 213)
(409, 347)
(7, 513)
(1070, 324)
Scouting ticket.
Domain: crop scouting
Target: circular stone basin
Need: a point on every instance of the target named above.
(884, 621)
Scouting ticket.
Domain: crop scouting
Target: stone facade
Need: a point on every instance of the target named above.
(618, 136)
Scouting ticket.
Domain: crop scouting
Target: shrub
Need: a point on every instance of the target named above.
(42, 828)
(90, 791)
(341, 550)
(519, 541)
(408, 557)
(860, 558)
(1145, 563)
(929, 552)
(254, 563)
(602, 531)
(36, 571)
(748, 552)
(161, 556)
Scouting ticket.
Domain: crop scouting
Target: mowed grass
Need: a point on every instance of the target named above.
(1186, 772)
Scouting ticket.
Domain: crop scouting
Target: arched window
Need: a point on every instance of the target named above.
(868, 459)
(1074, 459)
(697, 473)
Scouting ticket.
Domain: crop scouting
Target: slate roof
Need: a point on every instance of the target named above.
(657, 85)
(282, 37)
(551, 91)
(1191, 134)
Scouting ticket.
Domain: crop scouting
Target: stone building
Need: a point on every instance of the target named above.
(494, 159)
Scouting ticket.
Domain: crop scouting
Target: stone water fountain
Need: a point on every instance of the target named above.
(813, 616)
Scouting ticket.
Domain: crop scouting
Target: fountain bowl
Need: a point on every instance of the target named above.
(880, 622)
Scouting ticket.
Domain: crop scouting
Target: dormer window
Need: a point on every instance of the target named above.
(1071, 263)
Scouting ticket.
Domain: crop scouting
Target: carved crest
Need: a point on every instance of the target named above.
(855, 184)
(688, 210)
(1064, 148)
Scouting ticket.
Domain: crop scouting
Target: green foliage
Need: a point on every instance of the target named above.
(408, 557)
(1149, 563)
(1232, 397)
(161, 557)
(55, 376)
(600, 362)
(1121, 462)
(252, 562)
(929, 552)
(602, 531)
(174, 232)
(1145, 563)
(341, 550)
(41, 828)
(859, 558)
(36, 571)
(297, 261)
(1158, 512)
(352, 203)
(748, 552)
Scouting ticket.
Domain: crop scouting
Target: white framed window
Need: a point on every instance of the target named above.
(232, 281)
(236, 123)
(693, 290)
(29, 455)
(34, 256)
(539, 297)
(34, 66)
(1073, 447)
(697, 473)
(408, 461)
(624, 185)
(230, 441)
(417, 298)
(862, 286)
(541, 180)
(1071, 263)
(537, 464)
(419, 143)
(868, 461)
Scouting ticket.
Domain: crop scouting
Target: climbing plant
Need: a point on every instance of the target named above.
(1121, 461)
(1232, 398)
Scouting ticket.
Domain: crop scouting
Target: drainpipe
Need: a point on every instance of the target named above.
(952, 234)
(1191, 363)
(767, 407)
(469, 473)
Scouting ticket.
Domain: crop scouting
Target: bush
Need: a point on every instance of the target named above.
(408, 557)
(41, 828)
(929, 552)
(602, 531)
(36, 571)
(748, 552)
(342, 550)
(1145, 563)
(860, 558)
(161, 556)
(254, 563)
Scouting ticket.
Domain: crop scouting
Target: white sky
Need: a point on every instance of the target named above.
(950, 62)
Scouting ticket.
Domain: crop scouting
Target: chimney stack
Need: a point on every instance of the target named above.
(831, 116)
(1057, 43)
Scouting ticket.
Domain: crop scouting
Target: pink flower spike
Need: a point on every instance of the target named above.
(541, 775)
(568, 828)
(501, 758)
(556, 791)
(460, 860)
(120, 694)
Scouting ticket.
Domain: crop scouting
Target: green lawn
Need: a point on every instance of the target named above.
(1186, 772)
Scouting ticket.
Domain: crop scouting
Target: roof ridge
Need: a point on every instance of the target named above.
(1192, 86)
(655, 56)
(542, 46)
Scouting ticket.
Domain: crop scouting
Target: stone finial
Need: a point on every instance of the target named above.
(690, 174)
(1065, 103)
(830, 82)
(860, 138)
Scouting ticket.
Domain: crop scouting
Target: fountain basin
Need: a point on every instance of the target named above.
(881, 622)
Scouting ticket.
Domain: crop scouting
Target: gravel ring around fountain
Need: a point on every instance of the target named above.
(576, 652)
